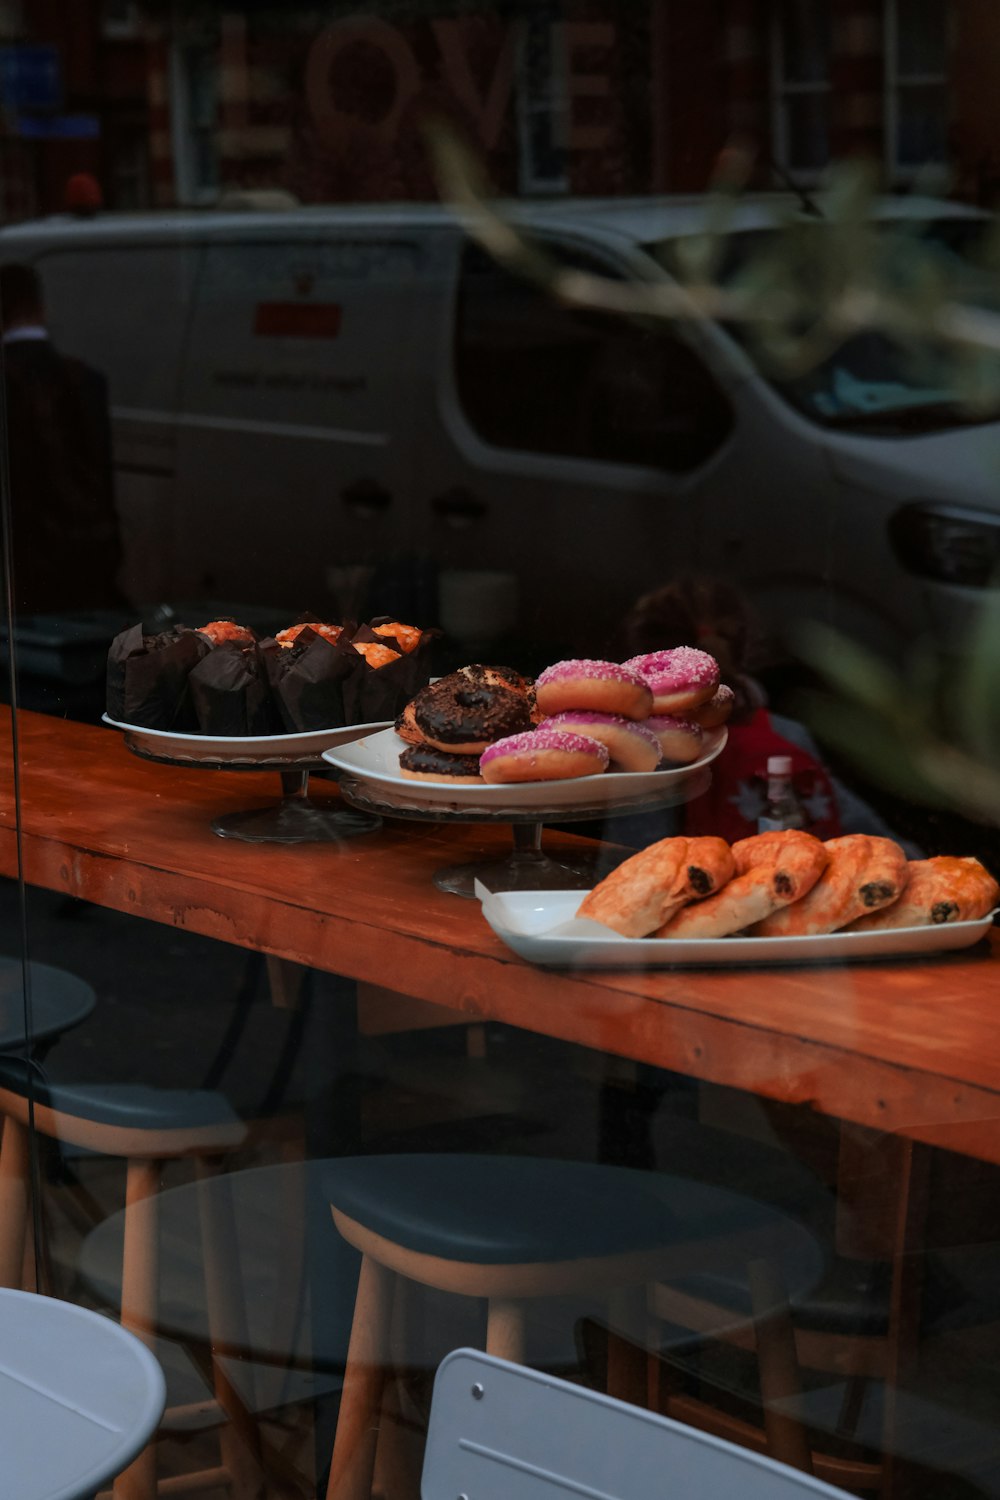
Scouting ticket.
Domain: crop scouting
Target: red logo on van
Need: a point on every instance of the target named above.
(297, 320)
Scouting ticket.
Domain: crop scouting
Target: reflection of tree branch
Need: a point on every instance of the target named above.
(891, 727)
(836, 280)
(805, 293)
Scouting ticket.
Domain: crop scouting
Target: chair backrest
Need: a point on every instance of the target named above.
(501, 1432)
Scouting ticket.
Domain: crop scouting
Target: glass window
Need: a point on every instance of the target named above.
(542, 104)
(310, 1072)
(801, 70)
(196, 121)
(538, 377)
(804, 31)
(919, 106)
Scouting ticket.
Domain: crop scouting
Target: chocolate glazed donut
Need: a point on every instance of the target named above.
(463, 717)
(423, 762)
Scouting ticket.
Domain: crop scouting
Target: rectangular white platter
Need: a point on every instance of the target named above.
(542, 926)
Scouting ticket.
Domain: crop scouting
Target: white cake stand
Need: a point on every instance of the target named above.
(370, 781)
(294, 819)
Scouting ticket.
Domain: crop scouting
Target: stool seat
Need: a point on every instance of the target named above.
(961, 1288)
(79, 1398)
(512, 1231)
(502, 1210)
(58, 1002)
(132, 1105)
(258, 1202)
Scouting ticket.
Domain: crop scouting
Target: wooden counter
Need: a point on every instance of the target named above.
(908, 1047)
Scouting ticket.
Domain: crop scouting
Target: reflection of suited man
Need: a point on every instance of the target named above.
(66, 543)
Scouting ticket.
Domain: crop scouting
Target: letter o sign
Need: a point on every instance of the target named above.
(332, 122)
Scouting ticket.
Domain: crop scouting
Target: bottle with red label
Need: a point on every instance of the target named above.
(783, 808)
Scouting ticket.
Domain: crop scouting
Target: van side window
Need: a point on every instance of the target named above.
(540, 377)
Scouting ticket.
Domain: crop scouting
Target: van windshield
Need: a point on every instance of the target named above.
(873, 382)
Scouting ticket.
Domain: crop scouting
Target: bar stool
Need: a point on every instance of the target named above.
(59, 1001)
(79, 1397)
(886, 1297)
(148, 1127)
(510, 1230)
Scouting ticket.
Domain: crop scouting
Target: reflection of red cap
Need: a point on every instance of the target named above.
(83, 193)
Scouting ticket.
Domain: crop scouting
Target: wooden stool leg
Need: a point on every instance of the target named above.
(353, 1461)
(390, 1475)
(239, 1439)
(628, 1375)
(139, 1300)
(905, 1300)
(15, 1190)
(505, 1330)
(780, 1387)
(399, 1452)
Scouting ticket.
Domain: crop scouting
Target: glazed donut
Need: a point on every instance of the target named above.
(504, 677)
(543, 755)
(631, 745)
(218, 631)
(678, 679)
(603, 686)
(462, 717)
(406, 726)
(424, 763)
(714, 713)
(680, 739)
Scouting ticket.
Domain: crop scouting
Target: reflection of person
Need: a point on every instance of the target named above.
(714, 616)
(67, 548)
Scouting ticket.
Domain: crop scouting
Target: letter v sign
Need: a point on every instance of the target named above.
(488, 113)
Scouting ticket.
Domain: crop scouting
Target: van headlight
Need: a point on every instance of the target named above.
(947, 543)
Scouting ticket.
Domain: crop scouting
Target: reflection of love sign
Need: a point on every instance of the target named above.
(486, 103)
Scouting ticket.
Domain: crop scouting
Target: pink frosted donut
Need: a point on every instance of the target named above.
(680, 739)
(679, 679)
(603, 686)
(716, 711)
(631, 745)
(543, 755)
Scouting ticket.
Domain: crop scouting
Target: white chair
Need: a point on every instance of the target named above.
(501, 1432)
(79, 1398)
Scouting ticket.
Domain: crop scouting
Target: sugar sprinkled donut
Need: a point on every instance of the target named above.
(679, 679)
(462, 716)
(680, 740)
(543, 755)
(631, 745)
(603, 686)
(713, 713)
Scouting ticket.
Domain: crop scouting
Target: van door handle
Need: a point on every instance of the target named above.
(459, 507)
(366, 498)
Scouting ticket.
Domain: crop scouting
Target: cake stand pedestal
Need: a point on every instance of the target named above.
(527, 867)
(295, 819)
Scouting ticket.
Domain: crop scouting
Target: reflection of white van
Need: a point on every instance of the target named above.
(300, 396)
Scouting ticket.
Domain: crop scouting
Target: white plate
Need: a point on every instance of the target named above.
(542, 926)
(375, 760)
(249, 748)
